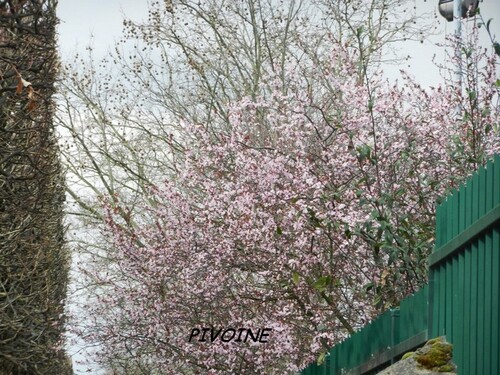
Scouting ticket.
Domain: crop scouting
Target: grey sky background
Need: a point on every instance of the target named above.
(102, 20)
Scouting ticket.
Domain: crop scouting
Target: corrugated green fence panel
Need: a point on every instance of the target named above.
(495, 273)
(488, 278)
(472, 357)
(312, 370)
(465, 297)
(488, 313)
(412, 316)
(462, 207)
(481, 304)
(448, 299)
(452, 229)
(439, 217)
(468, 206)
(376, 337)
(496, 185)
(335, 358)
(458, 304)
(495, 301)
(333, 361)
(442, 299)
(474, 314)
(466, 293)
(357, 349)
(480, 354)
(462, 300)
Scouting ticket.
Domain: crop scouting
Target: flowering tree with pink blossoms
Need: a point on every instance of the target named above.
(307, 215)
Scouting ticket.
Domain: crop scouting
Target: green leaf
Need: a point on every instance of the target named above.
(377, 301)
(472, 94)
(359, 31)
(496, 45)
(467, 52)
(369, 286)
(295, 277)
(279, 231)
(488, 24)
(400, 192)
(364, 152)
(321, 359)
(322, 283)
(317, 223)
(370, 105)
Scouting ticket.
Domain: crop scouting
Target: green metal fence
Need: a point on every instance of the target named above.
(465, 273)
(461, 300)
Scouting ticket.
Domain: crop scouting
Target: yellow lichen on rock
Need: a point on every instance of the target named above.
(408, 355)
(436, 356)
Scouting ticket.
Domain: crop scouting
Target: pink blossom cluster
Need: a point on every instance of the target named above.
(308, 214)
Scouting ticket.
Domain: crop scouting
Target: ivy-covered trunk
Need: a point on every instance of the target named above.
(33, 258)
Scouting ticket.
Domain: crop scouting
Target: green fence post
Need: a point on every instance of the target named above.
(394, 330)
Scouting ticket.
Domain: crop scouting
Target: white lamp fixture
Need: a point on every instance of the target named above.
(468, 8)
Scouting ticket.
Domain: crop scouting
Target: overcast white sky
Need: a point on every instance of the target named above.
(102, 19)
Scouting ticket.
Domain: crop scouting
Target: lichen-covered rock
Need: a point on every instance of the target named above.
(435, 358)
